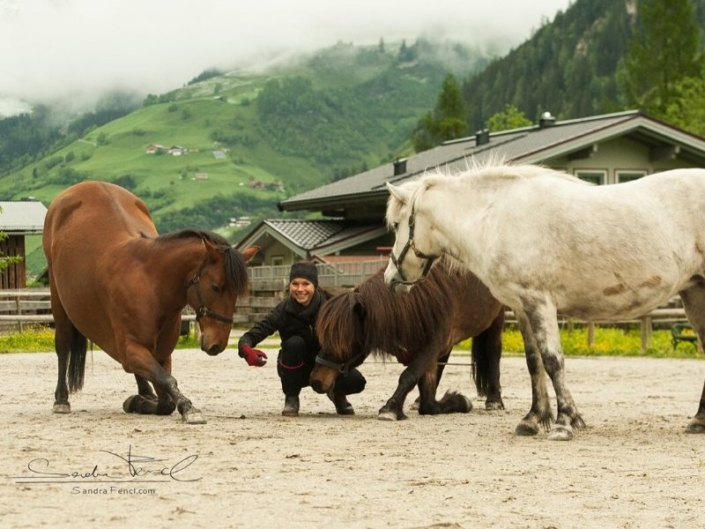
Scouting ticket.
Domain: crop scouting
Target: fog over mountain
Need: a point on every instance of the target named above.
(76, 49)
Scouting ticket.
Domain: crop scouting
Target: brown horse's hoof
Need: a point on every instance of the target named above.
(61, 407)
(130, 406)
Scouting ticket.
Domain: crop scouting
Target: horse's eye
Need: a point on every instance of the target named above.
(216, 288)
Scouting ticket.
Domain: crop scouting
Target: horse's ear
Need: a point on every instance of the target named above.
(358, 303)
(249, 252)
(399, 193)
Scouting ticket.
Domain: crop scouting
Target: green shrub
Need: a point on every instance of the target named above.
(609, 341)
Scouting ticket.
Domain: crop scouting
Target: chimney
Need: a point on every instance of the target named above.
(482, 137)
(547, 120)
(399, 166)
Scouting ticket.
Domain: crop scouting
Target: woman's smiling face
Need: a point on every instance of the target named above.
(301, 290)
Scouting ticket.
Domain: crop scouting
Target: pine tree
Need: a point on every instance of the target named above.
(448, 121)
(664, 51)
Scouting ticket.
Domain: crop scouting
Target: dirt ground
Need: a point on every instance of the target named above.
(634, 467)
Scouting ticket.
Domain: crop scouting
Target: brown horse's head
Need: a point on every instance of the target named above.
(340, 328)
(214, 289)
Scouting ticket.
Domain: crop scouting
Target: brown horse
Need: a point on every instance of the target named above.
(420, 330)
(116, 282)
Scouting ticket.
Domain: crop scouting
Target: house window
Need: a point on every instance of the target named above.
(628, 176)
(277, 260)
(594, 177)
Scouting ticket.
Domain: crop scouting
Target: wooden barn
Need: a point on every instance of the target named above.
(17, 220)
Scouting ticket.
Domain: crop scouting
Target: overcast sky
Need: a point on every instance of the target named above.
(75, 47)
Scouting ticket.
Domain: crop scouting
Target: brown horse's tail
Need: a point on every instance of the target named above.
(77, 359)
(486, 354)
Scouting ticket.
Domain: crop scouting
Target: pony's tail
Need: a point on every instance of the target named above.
(77, 359)
(486, 354)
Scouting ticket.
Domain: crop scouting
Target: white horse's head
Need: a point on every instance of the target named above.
(415, 250)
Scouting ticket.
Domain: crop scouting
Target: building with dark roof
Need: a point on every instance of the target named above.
(17, 220)
(605, 149)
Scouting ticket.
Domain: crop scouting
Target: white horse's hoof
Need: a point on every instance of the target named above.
(560, 433)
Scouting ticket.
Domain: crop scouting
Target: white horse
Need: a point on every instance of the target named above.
(544, 241)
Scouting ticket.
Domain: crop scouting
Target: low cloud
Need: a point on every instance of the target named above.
(78, 48)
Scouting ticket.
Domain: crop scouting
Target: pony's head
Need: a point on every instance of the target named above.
(415, 250)
(340, 331)
(214, 289)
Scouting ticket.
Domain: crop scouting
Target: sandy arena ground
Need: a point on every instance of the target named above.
(634, 467)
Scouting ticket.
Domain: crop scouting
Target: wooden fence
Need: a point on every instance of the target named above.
(269, 285)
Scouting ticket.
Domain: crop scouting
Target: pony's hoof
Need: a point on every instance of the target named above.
(388, 416)
(468, 405)
(560, 433)
(61, 407)
(696, 426)
(194, 417)
(494, 406)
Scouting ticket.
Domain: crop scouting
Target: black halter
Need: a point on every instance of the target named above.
(411, 245)
(203, 311)
(342, 367)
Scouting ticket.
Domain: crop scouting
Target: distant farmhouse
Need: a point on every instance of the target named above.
(174, 150)
(605, 149)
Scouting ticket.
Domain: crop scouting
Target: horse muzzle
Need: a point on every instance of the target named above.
(211, 349)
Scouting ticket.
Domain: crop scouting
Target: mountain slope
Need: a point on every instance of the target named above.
(248, 140)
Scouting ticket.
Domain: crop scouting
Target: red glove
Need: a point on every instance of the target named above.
(253, 357)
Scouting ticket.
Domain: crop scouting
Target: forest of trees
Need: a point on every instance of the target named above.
(598, 56)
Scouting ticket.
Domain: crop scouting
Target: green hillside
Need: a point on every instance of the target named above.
(250, 140)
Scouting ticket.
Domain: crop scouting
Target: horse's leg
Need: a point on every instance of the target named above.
(139, 360)
(486, 356)
(393, 410)
(544, 324)
(442, 361)
(421, 361)
(694, 304)
(70, 347)
(540, 412)
(62, 344)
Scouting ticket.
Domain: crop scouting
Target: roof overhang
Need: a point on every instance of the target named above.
(663, 140)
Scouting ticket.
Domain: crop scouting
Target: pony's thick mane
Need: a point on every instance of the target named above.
(235, 264)
(377, 320)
